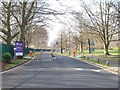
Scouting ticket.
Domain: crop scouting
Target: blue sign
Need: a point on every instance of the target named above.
(19, 48)
(92, 43)
(92, 49)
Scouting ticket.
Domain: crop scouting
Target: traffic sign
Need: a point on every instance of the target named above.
(92, 43)
(92, 49)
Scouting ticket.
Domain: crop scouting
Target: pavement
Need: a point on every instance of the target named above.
(113, 63)
(59, 72)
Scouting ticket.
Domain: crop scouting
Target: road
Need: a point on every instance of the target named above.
(60, 72)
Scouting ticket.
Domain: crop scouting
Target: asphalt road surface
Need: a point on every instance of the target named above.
(59, 72)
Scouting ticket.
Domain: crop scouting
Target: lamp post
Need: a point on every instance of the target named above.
(69, 42)
(57, 45)
(61, 44)
(54, 46)
(81, 46)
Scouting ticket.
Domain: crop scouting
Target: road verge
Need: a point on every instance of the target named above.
(19, 64)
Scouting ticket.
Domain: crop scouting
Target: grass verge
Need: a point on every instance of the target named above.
(14, 63)
(102, 63)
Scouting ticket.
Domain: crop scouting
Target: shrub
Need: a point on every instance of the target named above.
(6, 57)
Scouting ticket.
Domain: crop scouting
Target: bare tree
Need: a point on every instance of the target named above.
(116, 6)
(39, 38)
(103, 22)
(35, 12)
(22, 12)
(8, 24)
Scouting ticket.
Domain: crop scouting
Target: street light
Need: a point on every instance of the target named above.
(69, 42)
(81, 45)
(61, 44)
(54, 46)
(57, 44)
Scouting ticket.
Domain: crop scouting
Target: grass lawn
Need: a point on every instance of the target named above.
(15, 62)
(18, 61)
(115, 54)
(101, 52)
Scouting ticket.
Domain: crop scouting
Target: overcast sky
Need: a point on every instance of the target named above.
(70, 5)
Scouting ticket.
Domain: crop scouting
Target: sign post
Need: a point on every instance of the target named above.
(19, 48)
(74, 53)
(92, 49)
(14, 53)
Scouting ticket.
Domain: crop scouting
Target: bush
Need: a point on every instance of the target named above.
(6, 57)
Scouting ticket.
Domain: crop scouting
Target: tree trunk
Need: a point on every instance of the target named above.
(24, 23)
(9, 37)
(89, 45)
(81, 49)
(76, 49)
(9, 40)
(22, 33)
(4, 66)
(22, 37)
(106, 52)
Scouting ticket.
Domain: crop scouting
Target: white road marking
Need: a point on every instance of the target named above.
(46, 60)
(95, 70)
(64, 69)
(54, 58)
(78, 69)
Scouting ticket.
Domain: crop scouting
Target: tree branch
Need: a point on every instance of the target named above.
(4, 31)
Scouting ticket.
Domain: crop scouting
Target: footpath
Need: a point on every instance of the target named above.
(113, 63)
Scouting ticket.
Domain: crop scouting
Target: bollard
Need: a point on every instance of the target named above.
(98, 60)
(107, 63)
(30, 52)
(74, 55)
(83, 56)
